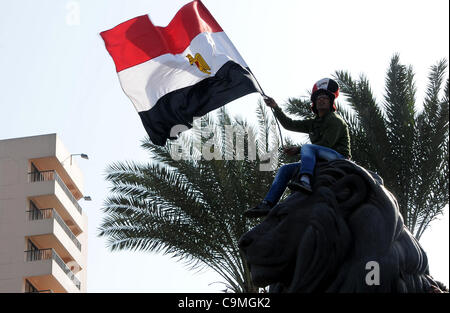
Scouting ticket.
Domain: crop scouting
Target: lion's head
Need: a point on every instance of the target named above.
(332, 240)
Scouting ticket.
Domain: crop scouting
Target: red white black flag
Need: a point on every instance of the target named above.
(175, 73)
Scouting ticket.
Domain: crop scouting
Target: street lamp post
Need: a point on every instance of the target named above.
(83, 156)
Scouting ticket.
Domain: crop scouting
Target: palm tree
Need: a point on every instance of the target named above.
(188, 207)
(407, 147)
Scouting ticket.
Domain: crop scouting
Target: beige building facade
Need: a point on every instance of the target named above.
(43, 229)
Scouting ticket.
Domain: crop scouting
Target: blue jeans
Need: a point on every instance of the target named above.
(284, 175)
(309, 153)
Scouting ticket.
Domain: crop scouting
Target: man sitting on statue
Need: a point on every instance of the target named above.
(330, 140)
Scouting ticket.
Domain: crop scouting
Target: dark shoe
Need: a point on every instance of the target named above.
(300, 186)
(261, 209)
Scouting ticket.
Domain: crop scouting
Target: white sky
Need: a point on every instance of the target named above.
(58, 77)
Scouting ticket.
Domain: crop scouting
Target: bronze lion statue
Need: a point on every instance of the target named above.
(347, 236)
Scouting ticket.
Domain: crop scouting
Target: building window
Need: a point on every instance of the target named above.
(35, 173)
(34, 212)
(33, 251)
(34, 169)
(32, 246)
(29, 287)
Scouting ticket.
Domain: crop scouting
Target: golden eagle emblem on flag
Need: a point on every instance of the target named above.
(200, 62)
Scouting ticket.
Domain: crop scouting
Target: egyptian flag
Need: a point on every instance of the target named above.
(175, 73)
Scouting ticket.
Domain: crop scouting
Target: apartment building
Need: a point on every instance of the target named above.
(43, 229)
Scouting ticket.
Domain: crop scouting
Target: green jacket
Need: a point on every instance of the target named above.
(329, 131)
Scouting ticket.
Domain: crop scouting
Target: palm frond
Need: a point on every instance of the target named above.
(188, 207)
(372, 120)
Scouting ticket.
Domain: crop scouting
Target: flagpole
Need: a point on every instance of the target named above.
(273, 112)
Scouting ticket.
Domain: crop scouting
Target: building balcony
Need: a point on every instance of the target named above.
(50, 176)
(47, 271)
(43, 214)
(68, 173)
(47, 230)
(30, 288)
(48, 190)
